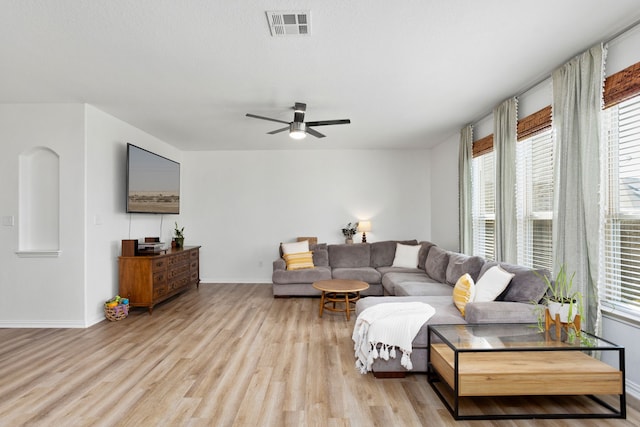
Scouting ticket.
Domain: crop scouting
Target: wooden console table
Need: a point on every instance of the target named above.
(149, 279)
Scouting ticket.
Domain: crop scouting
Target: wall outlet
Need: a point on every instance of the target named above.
(8, 221)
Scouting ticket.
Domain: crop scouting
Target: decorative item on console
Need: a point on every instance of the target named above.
(179, 236)
(349, 231)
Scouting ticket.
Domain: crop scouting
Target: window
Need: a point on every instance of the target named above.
(484, 207)
(621, 286)
(534, 195)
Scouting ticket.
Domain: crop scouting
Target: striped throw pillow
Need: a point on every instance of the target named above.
(463, 292)
(299, 260)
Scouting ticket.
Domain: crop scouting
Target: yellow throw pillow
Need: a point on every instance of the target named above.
(299, 260)
(463, 292)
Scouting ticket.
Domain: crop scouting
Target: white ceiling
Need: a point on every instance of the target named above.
(407, 73)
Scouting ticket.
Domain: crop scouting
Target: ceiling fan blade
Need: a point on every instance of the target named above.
(299, 110)
(266, 118)
(314, 133)
(328, 122)
(273, 132)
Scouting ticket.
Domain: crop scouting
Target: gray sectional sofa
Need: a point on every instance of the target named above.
(431, 281)
(368, 262)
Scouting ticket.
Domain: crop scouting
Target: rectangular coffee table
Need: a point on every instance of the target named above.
(497, 360)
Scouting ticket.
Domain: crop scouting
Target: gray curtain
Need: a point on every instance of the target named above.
(577, 104)
(505, 121)
(465, 221)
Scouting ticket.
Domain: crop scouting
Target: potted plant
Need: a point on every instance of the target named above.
(179, 236)
(349, 231)
(561, 298)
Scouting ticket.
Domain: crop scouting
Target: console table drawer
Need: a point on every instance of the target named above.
(178, 283)
(178, 259)
(177, 271)
(159, 291)
(159, 264)
(159, 278)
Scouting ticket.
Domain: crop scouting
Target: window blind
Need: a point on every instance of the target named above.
(483, 201)
(534, 199)
(622, 211)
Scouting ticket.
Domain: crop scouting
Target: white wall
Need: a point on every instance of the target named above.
(43, 291)
(444, 194)
(107, 221)
(240, 205)
(68, 290)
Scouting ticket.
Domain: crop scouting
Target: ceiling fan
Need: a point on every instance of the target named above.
(298, 128)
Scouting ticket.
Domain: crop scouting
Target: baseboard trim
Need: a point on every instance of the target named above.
(36, 324)
(209, 281)
(633, 389)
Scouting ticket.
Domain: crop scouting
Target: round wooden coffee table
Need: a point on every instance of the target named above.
(339, 291)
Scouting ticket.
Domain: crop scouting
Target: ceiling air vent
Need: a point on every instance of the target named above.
(289, 23)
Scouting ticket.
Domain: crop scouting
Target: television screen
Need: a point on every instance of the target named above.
(153, 182)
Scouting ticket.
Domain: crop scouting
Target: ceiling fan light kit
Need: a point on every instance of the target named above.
(298, 128)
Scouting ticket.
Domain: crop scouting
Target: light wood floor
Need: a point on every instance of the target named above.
(222, 355)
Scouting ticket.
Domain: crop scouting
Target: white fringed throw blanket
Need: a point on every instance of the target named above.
(391, 325)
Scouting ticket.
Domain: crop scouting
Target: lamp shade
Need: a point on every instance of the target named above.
(364, 226)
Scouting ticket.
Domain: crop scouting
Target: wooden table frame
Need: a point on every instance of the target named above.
(491, 376)
(339, 291)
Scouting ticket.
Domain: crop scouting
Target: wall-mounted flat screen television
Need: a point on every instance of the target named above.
(153, 182)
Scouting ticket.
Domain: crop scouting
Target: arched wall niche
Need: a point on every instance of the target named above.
(39, 203)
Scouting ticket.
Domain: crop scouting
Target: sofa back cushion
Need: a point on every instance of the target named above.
(320, 254)
(424, 251)
(460, 264)
(383, 253)
(436, 264)
(349, 255)
(527, 285)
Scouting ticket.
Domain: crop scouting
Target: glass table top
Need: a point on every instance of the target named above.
(512, 337)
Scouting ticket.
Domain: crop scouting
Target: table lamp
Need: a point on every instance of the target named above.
(364, 226)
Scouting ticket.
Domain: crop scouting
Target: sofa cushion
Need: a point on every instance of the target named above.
(491, 284)
(392, 279)
(501, 312)
(385, 270)
(349, 255)
(460, 264)
(463, 292)
(364, 274)
(527, 285)
(406, 256)
(422, 289)
(320, 254)
(299, 260)
(382, 253)
(424, 251)
(436, 264)
(308, 275)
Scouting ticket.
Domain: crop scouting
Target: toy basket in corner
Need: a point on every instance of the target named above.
(117, 312)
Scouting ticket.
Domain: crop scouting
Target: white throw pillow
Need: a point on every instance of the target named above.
(492, 283)
(406, 256)
(295, 247)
